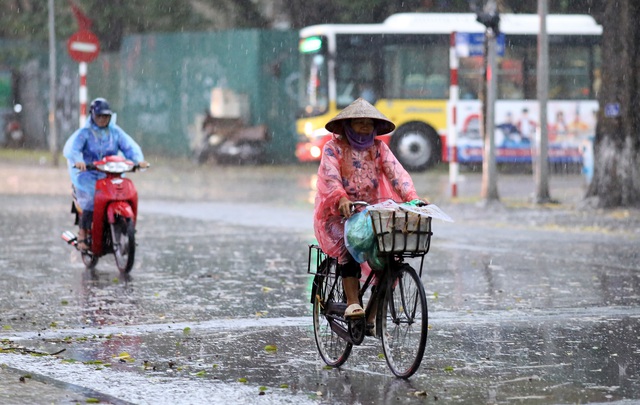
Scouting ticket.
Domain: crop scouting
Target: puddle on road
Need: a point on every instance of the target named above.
(548, 321)
(185, 270)
(552, 359)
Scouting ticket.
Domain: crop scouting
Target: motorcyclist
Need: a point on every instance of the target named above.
(98, 138)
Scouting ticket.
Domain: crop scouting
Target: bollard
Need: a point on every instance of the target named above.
(587, 159)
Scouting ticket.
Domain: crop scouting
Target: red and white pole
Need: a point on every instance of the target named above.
(82, 96)
(452, 134)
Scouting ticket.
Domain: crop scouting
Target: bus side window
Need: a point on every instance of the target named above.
(569, 74)
(414, 86)
(470, 76)
(511, 80)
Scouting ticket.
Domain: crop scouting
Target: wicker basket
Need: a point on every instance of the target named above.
(399, 231)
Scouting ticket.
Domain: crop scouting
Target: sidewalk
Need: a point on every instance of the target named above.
(186, 181)
(516, 196)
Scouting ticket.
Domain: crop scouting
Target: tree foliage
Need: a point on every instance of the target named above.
(114, 19)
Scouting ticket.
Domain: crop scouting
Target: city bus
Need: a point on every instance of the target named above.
(402, 66)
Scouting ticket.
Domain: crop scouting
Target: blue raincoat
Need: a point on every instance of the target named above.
(89, 144)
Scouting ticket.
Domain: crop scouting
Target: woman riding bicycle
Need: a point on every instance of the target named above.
(355, 167)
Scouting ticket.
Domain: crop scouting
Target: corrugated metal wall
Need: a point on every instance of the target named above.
(159, 83)
(166, 80)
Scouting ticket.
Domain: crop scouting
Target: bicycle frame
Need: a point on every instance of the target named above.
(396, 298)
(334, 311)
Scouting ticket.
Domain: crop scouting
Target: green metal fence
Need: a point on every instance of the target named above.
(167, 79)
(159, 83)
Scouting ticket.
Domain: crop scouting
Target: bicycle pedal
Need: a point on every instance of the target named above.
(357, 330)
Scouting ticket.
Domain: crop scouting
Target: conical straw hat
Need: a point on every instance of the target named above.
(360, 109)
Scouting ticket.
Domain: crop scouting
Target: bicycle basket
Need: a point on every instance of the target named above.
(315, 259)
(399, 231)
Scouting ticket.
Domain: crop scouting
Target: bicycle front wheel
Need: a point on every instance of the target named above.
(329, 326)
(404, 323)
(89, 260)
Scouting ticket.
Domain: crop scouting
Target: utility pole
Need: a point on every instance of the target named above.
(53, 131)
(491, 20)
(540, 158)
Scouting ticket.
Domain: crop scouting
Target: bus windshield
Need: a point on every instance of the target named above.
(313, 99)
(573, 70)
(392, 66)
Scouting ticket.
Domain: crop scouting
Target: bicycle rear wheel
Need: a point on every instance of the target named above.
(329, 327)
(404, 323)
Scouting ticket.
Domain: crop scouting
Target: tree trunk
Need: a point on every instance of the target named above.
(616, 177)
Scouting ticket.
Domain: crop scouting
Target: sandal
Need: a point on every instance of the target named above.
(354, 311)
(82, 240)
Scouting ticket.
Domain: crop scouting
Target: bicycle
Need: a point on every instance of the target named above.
(401, 321)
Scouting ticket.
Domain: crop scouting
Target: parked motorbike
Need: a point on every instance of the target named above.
(229, 140)
(114, 215)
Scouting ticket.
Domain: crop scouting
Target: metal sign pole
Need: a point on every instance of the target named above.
(489, 169)
(452, 116)
(541, 160)
(53, 131)
(82, 95)
(490, 18)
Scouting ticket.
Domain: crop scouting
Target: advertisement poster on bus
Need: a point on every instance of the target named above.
(570, 126)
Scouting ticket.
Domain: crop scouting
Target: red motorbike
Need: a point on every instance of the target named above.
(114, 215)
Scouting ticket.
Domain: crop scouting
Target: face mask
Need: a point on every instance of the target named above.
(358, 142)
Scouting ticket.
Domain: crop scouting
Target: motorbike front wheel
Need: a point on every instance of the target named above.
(123, 235)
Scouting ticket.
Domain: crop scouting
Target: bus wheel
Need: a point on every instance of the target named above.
(417, 146)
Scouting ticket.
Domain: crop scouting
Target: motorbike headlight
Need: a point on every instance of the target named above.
(116, 167)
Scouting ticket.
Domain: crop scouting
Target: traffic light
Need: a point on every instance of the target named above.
(490, 20)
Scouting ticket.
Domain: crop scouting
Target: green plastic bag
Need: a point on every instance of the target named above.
(360, 240)
(358, 236)
(376, 262)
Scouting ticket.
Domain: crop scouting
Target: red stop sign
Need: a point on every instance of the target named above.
(83, 46)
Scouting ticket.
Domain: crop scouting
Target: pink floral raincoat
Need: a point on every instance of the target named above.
(372, 175)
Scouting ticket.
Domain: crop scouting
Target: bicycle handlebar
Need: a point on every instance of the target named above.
(355, 204)
(363, 203)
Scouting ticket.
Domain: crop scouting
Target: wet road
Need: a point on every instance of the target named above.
(527, 304)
